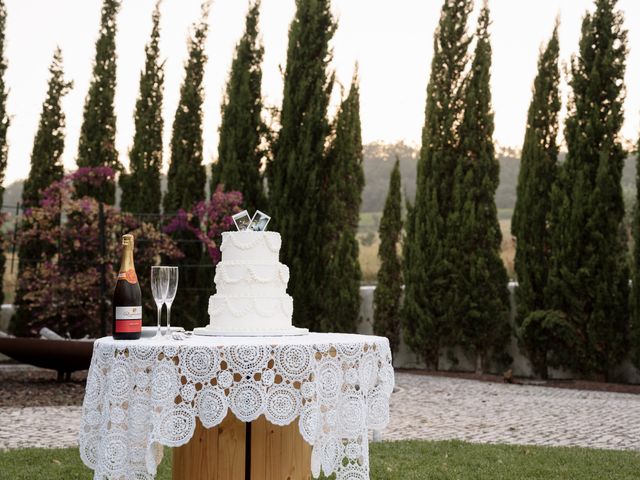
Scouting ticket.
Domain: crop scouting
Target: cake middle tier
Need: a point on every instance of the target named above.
(250, 313)
(251, 280)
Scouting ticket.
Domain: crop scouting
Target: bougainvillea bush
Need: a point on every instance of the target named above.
(60, 285)
(208, 219)
(199, 234)
(61, 289)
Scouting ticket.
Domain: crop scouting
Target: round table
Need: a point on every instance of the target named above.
(144, 394)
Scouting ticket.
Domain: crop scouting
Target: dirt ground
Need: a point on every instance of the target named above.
(30, 387)
(27, 387)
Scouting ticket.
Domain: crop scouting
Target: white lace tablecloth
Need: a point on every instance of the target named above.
(144, 394)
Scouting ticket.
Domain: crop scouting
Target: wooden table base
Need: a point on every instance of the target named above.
(275, 453)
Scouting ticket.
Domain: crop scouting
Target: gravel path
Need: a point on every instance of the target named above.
(423, 407)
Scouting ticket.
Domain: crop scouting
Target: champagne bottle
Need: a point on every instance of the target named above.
(127, 297)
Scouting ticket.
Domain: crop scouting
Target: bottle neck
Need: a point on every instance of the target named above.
(127, 259)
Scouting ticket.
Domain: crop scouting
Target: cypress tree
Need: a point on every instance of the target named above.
(530, 221)
(48, 145)
(635, 271)
(480, 287)
(428, 308)
(4, 126)
(97, 144)
(186, 179)
(141, 187)
(386, 298)
(343, 195)
(46, 168)
(242, 129)
(297, 173)
(588, 279)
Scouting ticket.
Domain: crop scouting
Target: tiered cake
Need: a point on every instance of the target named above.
(251, 288)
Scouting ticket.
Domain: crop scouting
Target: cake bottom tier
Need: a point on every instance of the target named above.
(250, 314)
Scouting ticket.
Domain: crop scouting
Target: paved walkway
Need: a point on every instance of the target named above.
(44, 427)
(431, 408)
(439, 408)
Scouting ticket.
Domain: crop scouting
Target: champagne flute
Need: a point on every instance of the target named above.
(172, 278)
(159, 287)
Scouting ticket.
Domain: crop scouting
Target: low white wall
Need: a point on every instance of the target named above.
(405, 358)
(520, 366)
(6, 312)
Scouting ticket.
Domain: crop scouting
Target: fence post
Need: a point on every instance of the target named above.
(15, 236)
(103, 280)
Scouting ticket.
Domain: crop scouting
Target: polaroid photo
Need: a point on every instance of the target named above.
(242, 220)
(259, 221)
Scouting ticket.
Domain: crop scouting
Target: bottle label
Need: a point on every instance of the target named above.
(128, 319)
(130, 276)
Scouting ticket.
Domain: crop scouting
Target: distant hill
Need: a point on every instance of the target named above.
(12, 195)
(378, 162)
(379, 159)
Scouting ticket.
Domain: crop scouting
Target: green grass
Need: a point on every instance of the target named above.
(53, 464)
(465, 461)
(410, 460)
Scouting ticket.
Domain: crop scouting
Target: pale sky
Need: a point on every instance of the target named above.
(391, 39)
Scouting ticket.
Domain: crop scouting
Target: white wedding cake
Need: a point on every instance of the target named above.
(251, 288)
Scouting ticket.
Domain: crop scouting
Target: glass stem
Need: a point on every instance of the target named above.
(168, 318)
(159, 320)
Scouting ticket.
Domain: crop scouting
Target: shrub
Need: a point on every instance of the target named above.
(208, 219)
(62, 288)
(204, 222)
(547, 337)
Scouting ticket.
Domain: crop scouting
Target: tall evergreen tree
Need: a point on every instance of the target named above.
(46, 168)
(428, 309)
(480, 285)
(141, 187)
(48, 146)
(343, 195)
(635, 271)
(297, 173)
(186, 179)
(530, 221)
(4, 124)
(588, 279)
(240, 154)
(97, 144)
(386, 298)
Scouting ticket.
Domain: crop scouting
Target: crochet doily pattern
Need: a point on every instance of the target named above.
(142, 395)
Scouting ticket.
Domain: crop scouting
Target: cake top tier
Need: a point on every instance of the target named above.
(249, 247)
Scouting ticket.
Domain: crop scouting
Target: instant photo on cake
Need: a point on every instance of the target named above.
(242, 220)
(259, 221)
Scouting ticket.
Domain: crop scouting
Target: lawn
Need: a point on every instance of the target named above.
(393, 461)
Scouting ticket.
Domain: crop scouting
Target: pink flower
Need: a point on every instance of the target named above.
(208, 219)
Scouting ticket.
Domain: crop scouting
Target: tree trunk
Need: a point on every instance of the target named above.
(544, 371)
(479, 363)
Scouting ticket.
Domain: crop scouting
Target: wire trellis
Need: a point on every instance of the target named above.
(15, 213)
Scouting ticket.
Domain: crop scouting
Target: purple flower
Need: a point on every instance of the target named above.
(208, 219)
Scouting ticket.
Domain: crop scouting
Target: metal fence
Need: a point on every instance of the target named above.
(190, 268)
